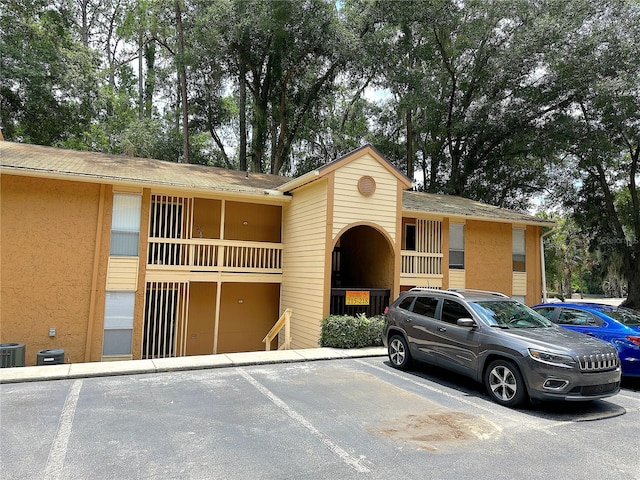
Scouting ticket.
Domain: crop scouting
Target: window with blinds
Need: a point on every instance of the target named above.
(456, 246)
(118, 323)
(519, 257)
(125, 225)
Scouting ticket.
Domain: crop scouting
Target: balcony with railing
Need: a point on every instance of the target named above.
(421, 261)
(211, 255)
(420, 268)
(204, 235)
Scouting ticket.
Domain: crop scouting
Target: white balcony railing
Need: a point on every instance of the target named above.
(419, 263)
(201, 254)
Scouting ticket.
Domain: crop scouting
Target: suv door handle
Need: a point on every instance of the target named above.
(442, 329)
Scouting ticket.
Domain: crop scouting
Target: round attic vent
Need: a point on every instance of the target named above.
(366, 185)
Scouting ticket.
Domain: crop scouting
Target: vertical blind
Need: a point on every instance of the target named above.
(518, 250)
(456, 245)
(118, 323)
(125, 225)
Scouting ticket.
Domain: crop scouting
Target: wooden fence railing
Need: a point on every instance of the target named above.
(283, 322)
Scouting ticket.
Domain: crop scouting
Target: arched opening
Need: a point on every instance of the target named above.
(362, 272)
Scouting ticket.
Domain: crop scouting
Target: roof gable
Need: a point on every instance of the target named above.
(341, 162)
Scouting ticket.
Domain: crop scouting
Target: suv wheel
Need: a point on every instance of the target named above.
(399, 352)
(504, 383)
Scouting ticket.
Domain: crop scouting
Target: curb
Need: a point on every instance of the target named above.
(176, 364)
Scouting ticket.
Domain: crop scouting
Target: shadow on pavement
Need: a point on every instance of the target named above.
(558, 411)
(631, 383)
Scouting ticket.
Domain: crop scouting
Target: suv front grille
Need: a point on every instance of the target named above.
(598, 362)
(595, 389)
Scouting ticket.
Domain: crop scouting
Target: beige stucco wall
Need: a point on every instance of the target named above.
(304, 262)
(48, 235)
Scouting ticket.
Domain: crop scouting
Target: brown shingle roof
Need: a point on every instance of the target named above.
(56, 162)
(119, 168)
(448, 205)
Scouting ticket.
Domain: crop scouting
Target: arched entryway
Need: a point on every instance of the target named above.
(362, 272)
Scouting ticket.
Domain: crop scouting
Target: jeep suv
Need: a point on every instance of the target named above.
(517, 353)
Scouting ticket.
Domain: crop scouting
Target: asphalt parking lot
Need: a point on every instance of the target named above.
(338, 419)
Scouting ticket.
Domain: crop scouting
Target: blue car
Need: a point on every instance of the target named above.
(617, 325)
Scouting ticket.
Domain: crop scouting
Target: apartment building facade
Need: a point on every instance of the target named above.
(113, 257)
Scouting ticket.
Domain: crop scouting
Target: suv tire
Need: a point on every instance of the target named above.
(399, 355)
(505, 384)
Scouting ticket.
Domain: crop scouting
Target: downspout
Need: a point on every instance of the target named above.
(543, 265)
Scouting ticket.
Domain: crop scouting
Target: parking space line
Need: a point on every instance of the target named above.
(58, 451)
(428, 387)
(497, 410)
(326, 441)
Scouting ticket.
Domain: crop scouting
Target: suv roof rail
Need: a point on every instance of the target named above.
(437, 290)
(473, 290)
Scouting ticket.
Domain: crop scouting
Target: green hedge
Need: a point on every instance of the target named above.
(344, 331)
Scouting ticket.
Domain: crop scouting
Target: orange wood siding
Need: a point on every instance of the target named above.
(247, 313)
(252, 222)
(202, 309)
(206, 218)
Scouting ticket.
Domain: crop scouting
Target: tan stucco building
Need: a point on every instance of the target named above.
(113, 257)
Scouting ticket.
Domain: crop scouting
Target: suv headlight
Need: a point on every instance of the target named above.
(555, 359)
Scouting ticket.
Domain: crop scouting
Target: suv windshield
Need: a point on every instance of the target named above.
(509, 314)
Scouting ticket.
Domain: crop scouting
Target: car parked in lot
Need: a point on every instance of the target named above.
(616, 325)
(517, 353)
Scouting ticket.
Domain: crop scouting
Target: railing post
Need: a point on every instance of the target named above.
(287, 329)
(191, 261)
(221, 252)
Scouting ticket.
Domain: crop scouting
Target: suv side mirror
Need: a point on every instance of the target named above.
(466, 322)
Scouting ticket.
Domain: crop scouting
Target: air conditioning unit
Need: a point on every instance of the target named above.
(11, 355)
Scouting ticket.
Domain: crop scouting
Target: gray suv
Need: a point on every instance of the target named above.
(517, 353)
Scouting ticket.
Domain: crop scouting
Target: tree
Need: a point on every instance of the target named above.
(47, 88)
(474, 103)
(605, 142)
(289, 54)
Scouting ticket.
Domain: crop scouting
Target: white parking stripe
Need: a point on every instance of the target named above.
(340, 452)
(58, 451)
(388, 371)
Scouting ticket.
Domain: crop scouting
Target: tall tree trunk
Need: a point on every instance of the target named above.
(633, 285)
(140, 74)
(182, 77)
(84, 34)
(242, 82)
(150, 78)
(410, 145)
(258, 134)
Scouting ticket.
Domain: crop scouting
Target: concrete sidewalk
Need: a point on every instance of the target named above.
(199, 362)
